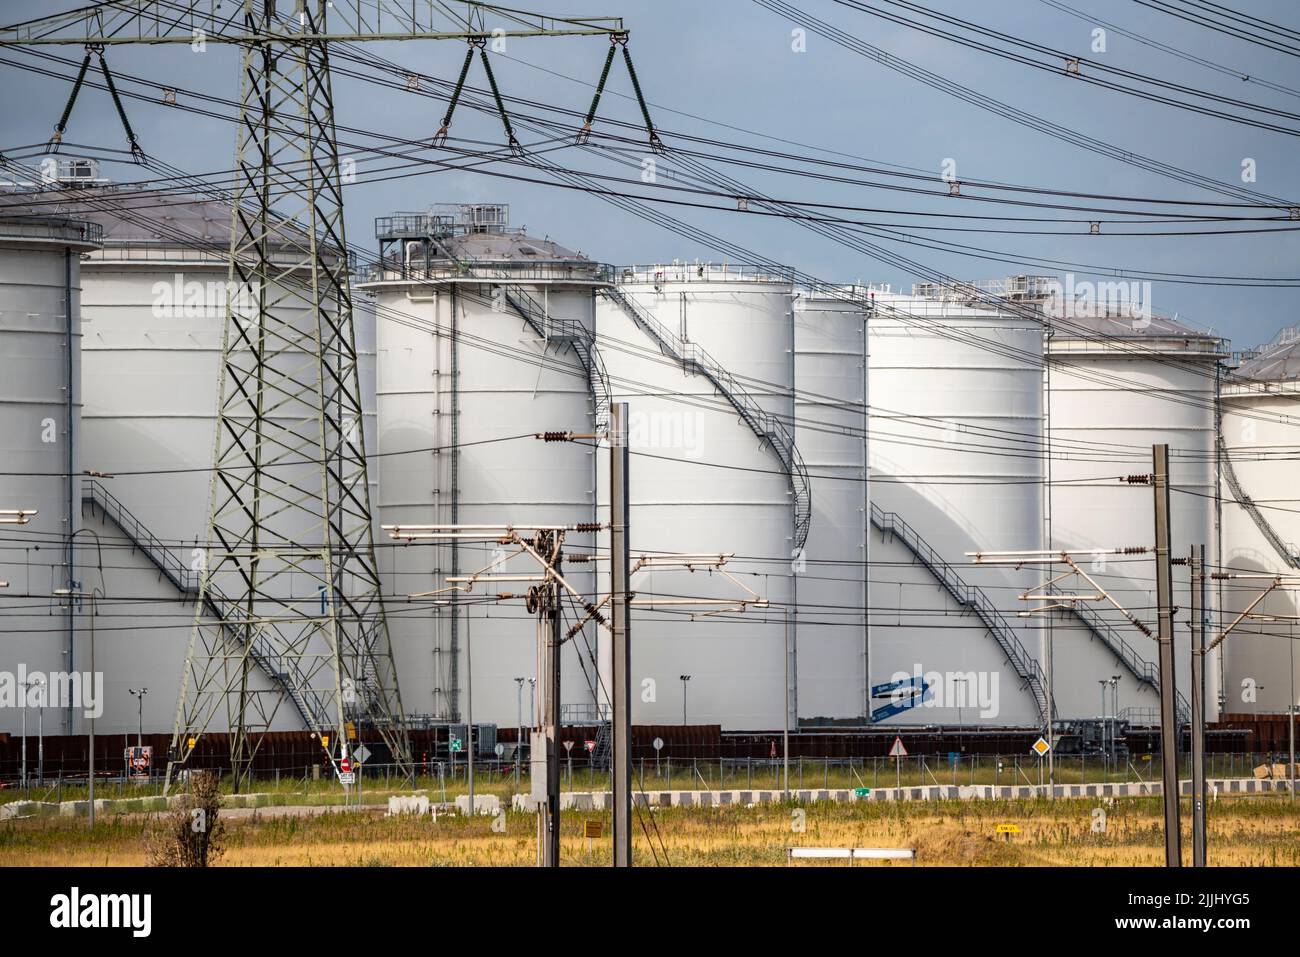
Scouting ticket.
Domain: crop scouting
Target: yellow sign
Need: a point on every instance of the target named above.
(192, 742)
(352, 731)
(1008, 828)
(324, 740)
(1041, 747)
(591, 829)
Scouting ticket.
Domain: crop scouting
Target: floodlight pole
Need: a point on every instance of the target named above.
(1165, 639)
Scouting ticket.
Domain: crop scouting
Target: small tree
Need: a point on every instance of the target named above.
(191, 833)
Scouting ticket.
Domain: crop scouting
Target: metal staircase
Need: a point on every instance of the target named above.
(600, 754)
(564, 331)
(764, 424)
(285, 673)
(1141, 669)
(1288, 551)
(974, 598)
(569, 332)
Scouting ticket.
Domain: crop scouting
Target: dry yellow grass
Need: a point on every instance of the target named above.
(1259, 831)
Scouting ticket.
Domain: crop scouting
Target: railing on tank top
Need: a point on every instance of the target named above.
(970, 596)
(768, 427)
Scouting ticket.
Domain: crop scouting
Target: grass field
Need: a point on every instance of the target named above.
(809, 773)
(1256, 831)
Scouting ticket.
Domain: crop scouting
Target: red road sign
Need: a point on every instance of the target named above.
(345, 766)
(898, 751)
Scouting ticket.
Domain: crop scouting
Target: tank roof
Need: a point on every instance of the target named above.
(1129, 325)
(1277, 361)
(478, 232)
(49, 231)
(135, 218)
(130, 215)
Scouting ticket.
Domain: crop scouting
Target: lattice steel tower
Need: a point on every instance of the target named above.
(290, 609)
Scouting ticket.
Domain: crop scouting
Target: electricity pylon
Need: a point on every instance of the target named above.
(289, 586)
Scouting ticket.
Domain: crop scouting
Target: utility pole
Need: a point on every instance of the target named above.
(551, 721)
(1197, 562)
(1165, 638)
(543, 598)
(785, 733)
(469, 718)
(619, 516)
(1291, 709)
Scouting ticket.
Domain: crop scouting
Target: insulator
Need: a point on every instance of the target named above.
(555, 436)
(587, 527)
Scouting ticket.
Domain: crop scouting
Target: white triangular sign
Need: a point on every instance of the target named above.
(898, 751)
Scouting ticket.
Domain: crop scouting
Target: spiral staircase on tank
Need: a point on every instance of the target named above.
(768, 427)
(1287, 551)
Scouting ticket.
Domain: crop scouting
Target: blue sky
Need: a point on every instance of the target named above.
(731, 61)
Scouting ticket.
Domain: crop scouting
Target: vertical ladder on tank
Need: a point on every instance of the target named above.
(974, 598)
(695, 360)
(1288, 552)
(285, 674)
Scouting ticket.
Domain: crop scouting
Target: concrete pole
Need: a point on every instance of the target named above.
(469, 718)
(551, 708)
(1197, 563)
(92, 713)
(785, 734)
(621, 738)
(1165, 639)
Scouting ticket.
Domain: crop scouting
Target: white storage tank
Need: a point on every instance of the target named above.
(830, 342)
(1120, 381)
(464, 381)
(1261, 528)
(956, 435)
(40, 432)
(689, 346)
(154, 303)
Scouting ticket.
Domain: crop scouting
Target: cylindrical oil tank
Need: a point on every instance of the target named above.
(481, 335)
(830, 430)
(1121, 380)
(40, 434)
(956, 433)
(154, 304)
(699, 342)
(1261, 528)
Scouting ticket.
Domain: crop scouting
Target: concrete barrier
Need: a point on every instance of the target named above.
(399, 804)
(488, 804)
